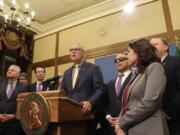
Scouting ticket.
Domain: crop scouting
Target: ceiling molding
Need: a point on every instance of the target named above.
(88, 14)
(70, 11)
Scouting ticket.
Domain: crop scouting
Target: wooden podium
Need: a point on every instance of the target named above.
(64, 114)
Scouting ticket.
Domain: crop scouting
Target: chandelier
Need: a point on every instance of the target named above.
(15, 15)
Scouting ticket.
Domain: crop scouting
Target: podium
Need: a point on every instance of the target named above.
(51, 113)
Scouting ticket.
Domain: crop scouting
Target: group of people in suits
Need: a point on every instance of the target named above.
(15, 83)
(143, 99)
(171, 97)
(152, 98)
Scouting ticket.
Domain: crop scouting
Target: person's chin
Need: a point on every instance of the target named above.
(73, 60)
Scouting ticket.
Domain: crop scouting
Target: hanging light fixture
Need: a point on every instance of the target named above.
(17, 16)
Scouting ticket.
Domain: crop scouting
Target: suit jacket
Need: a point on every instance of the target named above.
(33, 87)
(143, 114)
(9, 105)
(114, 102)
(171, 100)
(89, 85)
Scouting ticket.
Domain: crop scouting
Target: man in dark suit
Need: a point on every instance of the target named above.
(83, 82)
(171, 99)
(114, 91)
(9, 89)
(39, 85)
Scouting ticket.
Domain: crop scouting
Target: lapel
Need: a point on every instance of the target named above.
(136, 78)
(69, 77)
(81, 73)
(166, 60)
(44, 86)
(4, 88)
(125, 84)
(113, 89)
(35, 87)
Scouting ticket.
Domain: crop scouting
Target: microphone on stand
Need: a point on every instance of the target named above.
(53, 82)
(54, 78)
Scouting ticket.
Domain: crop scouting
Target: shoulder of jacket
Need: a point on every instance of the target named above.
(154, 65)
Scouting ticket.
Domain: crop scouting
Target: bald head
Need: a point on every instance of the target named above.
(161, 45)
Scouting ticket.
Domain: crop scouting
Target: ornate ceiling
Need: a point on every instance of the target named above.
(55, 15)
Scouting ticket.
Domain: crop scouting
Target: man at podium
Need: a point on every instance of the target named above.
(83, 82)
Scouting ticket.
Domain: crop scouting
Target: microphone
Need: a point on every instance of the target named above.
(54, 78)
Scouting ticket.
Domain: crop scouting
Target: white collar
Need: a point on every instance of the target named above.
(39, 82)
(126, 73)
(162, 59)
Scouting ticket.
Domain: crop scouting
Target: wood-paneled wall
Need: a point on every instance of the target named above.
(158, 18)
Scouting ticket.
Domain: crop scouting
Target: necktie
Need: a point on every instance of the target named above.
(125, 96)
(126, 91)
(119, 84)
(10, 89)
(39, 87)
(76, 71)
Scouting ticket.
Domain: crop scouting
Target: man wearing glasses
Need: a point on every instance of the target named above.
(114, 91)
(83, 82)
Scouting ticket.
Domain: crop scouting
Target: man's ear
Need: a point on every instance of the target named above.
(166, 48)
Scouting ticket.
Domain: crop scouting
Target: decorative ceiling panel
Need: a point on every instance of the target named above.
(49, 10)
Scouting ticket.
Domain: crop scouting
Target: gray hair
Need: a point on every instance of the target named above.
(80, 45)
(18, 69)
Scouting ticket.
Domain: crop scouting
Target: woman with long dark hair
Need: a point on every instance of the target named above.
(141, 112)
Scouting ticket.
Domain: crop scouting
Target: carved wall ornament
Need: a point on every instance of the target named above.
(13, 41)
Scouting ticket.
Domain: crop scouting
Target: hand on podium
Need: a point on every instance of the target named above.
(86, 107)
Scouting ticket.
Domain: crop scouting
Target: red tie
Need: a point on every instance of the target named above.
(125, 96)
(126, 91)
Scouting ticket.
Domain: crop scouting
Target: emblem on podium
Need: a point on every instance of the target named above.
(34, 114)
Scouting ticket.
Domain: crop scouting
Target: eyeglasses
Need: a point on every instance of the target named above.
(75, 49)
(117, 60)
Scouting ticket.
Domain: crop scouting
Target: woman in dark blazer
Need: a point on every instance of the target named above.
(141, 112)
